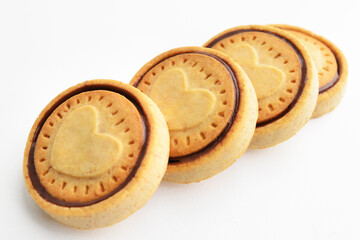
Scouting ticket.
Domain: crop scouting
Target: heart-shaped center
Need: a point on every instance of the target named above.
(183, 108)
(266, 79)
(79, 150)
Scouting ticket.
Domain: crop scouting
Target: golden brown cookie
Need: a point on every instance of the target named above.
(209, 105)
(331, 66)
(283, 76)
(96, 154)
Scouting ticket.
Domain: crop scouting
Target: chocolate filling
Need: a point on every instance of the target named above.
(335, 78)
(214, 142)
(302, 63)
(31, 165)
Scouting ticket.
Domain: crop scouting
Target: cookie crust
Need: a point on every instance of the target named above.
(286, 124)
(331, 94)
(132, 193)
(233, 137)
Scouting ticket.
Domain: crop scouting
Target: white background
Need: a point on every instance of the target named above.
(305, 188)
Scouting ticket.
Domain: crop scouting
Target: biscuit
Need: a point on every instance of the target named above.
(209, 105)
(331, 66)
(96, 154)
(283, 75)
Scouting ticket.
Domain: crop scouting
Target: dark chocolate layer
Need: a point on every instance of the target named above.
(335, 78)
(330, 84)
(302, 63)
(213, 143)
(31, 165)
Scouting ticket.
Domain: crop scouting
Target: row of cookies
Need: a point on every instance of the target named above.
(99, 150)
(296, 75)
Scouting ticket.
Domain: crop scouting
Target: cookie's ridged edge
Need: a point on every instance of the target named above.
(288, 125)
(130, 198)
(330, 98)
(233, 144)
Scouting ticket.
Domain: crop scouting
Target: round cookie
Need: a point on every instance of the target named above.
(283, 75)
(209, 105)
(96, 154)
(331, 66)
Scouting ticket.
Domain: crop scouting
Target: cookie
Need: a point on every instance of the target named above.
(96, 154)
(209, 105)
(283, 75)
(331, 66)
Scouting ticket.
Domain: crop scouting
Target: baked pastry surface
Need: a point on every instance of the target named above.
(206, 100)
(283, 75)
(331, 66)
(96, 154)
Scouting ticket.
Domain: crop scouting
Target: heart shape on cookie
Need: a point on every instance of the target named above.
(183, 108)
(266, 79)
(79, 150)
